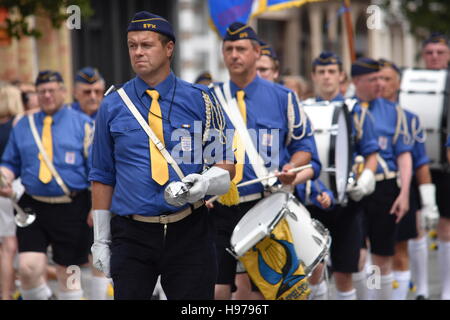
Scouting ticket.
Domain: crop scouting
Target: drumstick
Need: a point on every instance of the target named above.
(270, 176)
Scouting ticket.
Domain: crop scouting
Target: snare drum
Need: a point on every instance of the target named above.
(427, 94)
(332, 127)
(311, 240)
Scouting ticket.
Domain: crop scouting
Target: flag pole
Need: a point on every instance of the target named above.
(349, 28)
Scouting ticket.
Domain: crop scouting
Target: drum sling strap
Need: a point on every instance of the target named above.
(232, 110)
(63, 199)
(150, 132)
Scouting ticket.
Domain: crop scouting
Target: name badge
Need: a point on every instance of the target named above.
(186, 144)
(70, 157)
(382, 142)
(267, 139)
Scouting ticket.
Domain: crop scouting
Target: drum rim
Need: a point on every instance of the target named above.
(341, 198)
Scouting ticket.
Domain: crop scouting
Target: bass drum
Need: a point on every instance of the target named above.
(427, 94)
(331, 124)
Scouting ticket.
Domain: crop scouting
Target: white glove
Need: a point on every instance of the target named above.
(364, 186)
(102, 238)
(429, 210)
(215, 181)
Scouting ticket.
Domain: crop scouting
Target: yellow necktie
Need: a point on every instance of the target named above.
(160, 170)
(47, 142)
(238, 144)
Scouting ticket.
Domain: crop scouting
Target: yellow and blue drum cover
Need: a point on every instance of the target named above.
(274, 267)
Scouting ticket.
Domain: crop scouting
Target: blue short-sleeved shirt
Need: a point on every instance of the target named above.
(418, 153)
(267, 121)
(121, 154)
(69, 152)
(385, 121)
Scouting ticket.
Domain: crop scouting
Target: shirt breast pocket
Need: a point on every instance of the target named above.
(185, 141)
(129, 134)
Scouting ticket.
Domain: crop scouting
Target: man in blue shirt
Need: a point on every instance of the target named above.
(421, 184)
(149, 234)
(263, 106)
(61, 207)
(268, 65)
(88, 91)
(344, 222)
(389, 203)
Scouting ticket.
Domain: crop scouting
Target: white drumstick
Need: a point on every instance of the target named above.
(270, 176)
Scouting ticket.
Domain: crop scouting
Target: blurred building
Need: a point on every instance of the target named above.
(300, 34)
(297, 34)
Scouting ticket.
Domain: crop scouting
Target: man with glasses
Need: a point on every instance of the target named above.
(88, 91)
(59, 197)
(387, 205)
(268, 65)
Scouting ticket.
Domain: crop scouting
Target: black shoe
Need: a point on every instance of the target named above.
(421, 297)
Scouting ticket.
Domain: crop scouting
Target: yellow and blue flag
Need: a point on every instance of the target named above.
(274, 5)
(223, 13)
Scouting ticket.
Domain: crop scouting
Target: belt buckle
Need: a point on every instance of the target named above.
(163, 219)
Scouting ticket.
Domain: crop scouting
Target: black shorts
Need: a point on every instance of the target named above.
(378, 224)
(442, 181)
(63, 226)
(225, 220)
(407, 227)
(344, 224)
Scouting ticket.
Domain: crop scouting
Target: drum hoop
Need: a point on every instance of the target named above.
(325, 251)
(332, 153)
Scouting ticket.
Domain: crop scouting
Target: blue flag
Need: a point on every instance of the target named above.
(223, 13)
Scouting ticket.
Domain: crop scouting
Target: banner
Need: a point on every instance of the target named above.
(223, 13)
(274, 5)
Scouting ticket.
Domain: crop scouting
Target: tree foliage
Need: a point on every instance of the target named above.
(426, 16)
(17, 24)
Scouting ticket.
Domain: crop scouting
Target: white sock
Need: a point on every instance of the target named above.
(360, 284)
(402, 278)
(42, 292)
(418, 256)
(444, 268)
(99, 287)
(319, 291)
(347, 295)
(70, 295)
(385, 291)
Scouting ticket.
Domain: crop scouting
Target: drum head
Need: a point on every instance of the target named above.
(430, 88)
(332, 132)
(258, 222)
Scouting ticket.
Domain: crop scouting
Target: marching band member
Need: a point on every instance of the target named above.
(263, 106)
(88, 91)
(436, 55)
(268, 65)
(49, 151)
(344, 223)
(387, 205)
(138, 235)
(415, 222)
